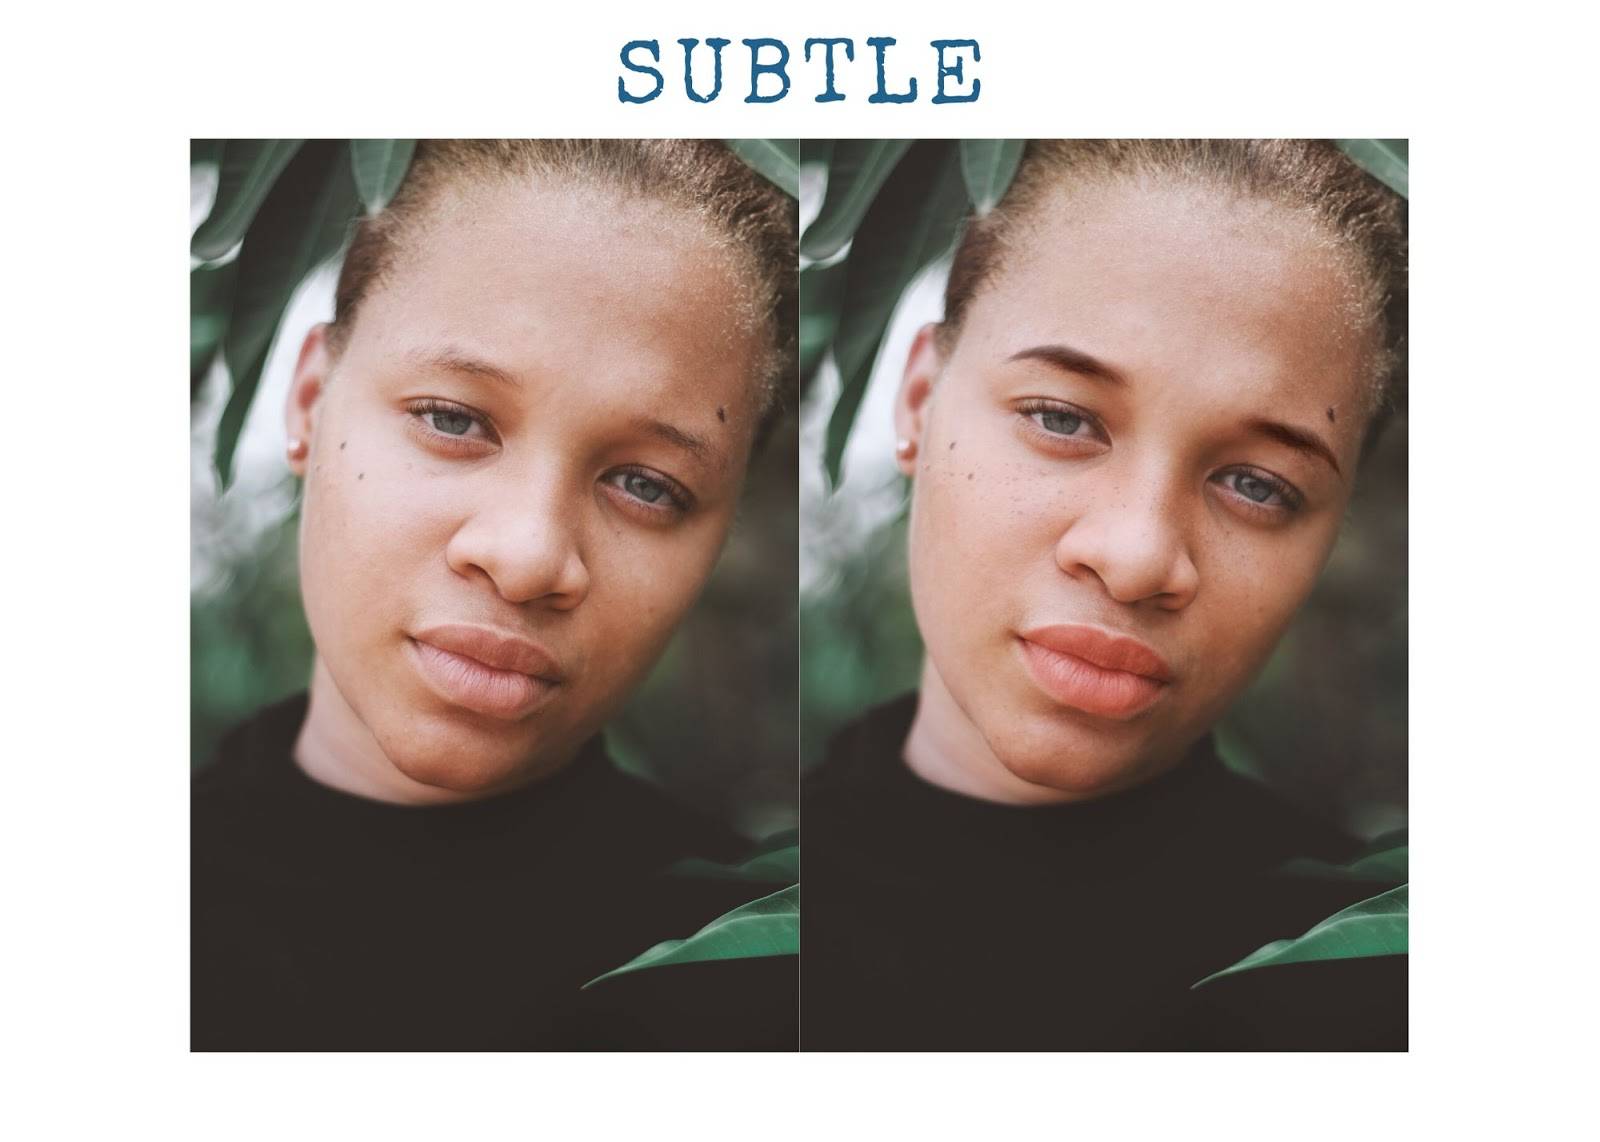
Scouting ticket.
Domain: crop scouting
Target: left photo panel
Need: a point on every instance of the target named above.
(493, 595)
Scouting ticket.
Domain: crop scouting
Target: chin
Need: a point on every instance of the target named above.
(446, 755)
(1056, 754)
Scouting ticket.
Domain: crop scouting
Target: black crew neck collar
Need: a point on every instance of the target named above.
(873, 750)
(264, 746)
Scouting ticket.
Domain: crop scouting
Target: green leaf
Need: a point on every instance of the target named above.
(1235, 754)
(816, 151)
(776, 860)
(1387, 160)
(776, 160)
(210, 302)
(912, 222)
(302, 223)
(248, 171)
(205, 152)
(766, 927)
(1386, 866)
(1374, 927)
(379, 166)
(821, 293)
(1392, 839)
(988, 166)
(856, 170)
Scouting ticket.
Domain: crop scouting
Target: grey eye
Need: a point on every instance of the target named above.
(1253, 489)
(451, 423)
(1059, 422)
(642, 487)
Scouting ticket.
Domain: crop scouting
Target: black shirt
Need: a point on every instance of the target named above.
(934, 921)
(326, 921)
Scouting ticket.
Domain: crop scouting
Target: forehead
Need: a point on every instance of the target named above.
(626, 295)
(1236, 299)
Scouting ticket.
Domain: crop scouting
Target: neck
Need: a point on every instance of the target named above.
(945, 748)
(335, 748)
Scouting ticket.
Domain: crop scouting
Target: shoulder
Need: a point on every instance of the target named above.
(246, 782)
(252, 752)
(651, 817)
(866, 751)
(1263, 826)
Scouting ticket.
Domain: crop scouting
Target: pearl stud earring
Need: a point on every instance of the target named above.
(298, 449)
(904, 449)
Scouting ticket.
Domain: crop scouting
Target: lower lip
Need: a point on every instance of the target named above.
(1094, 690)
(468, 683)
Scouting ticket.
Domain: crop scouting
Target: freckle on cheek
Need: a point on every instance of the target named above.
(722, 413)
(361, 475)
(342, 443)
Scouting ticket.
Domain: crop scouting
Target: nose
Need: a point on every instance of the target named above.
(1133, 541)
(528, 546)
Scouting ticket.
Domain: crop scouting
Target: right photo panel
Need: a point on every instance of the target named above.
(1103, 556)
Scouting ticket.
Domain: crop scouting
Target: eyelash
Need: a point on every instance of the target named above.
(1033, 410)
(680, 498)
(675, 500)
(1293, 501)
(423, 409)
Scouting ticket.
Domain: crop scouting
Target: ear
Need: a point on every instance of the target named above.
(923, 365)
(310, 378)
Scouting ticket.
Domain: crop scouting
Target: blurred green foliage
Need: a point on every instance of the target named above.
(248, 641)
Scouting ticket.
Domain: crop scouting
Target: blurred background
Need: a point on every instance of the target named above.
(716, 721)
(1325, 724)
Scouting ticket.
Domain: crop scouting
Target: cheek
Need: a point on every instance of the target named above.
(644, 580)
(981, 522)
(370, 507)
(1252, 586)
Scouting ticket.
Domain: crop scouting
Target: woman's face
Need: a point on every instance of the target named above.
(1129, 472)
(522, 467)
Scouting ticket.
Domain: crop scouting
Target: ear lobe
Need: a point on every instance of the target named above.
(923, 365)
(310, 377)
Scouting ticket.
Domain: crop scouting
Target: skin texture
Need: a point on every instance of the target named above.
(1043, 494)
(518, 501)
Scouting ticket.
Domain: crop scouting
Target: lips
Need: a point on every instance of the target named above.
(1095, 671)
(486, 671)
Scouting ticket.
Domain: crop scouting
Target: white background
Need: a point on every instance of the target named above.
(1503, 435)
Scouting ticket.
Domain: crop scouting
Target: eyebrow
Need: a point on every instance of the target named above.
(692, 443)
(453, 360)
(1071, 360)
(1300, 439)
